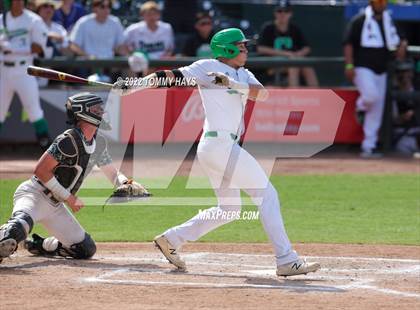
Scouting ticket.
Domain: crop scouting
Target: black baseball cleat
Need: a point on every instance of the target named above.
(34, 245)
(7, 247)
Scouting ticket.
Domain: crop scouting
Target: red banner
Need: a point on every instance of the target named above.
(291, 115)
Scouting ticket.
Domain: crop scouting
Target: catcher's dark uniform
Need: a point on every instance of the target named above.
(76, 158)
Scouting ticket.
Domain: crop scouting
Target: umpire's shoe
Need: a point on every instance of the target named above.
(169, 252)
(297, 267)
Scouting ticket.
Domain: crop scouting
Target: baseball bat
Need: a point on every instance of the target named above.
(63, 77)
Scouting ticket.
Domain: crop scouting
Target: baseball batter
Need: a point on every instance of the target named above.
(57, 179)
(22, 35)
(225, 85)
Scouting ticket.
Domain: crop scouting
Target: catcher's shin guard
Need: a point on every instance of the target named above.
(14, 231)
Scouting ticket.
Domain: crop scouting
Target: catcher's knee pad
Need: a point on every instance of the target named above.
(83, 250)
(17, 227)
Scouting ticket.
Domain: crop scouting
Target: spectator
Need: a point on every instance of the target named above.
(407, 125)
(198, 44)
(369, 41)
(58, 42)
(98, 35)
(68, 14)
(151, 36)
(31, 5)
(283, 38)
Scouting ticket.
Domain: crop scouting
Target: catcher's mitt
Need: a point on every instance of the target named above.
(130, 190)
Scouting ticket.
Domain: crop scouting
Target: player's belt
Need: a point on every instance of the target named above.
(13, 63)
(45, 190)
(215, 134)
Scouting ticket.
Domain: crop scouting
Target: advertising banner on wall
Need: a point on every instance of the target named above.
(177, 115)
(288, 115)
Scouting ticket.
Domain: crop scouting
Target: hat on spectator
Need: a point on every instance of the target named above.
(202, 15)
(149, 6)
(40, 3)
(284, 5)
(96, 3)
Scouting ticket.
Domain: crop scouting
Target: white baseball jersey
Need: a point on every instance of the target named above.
(58, 29)
(229, 166)
(21, 32)
(153, 43)
(98, 39)
(224, 108)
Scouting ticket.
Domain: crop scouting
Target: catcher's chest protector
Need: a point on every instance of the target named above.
(76, 164)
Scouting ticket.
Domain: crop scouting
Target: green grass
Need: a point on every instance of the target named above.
(382, 209)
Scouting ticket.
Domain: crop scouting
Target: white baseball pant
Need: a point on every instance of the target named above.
(15, 79)
(372, 89)
(56, 219)
(231, 168)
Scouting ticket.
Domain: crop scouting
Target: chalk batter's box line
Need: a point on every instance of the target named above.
(365, 284)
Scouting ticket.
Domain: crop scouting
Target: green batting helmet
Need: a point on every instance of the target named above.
(223, 42)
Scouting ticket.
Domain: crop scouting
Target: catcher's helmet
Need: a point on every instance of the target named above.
(223, 42)
(87, 107)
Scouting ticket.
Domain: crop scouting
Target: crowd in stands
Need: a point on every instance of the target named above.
(89, 29)
(101, 29)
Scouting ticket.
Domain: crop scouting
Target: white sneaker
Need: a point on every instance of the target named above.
(297, 267)
(169, 252)
(7, 247)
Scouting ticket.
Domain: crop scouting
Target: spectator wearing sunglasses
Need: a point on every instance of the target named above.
(100, 34)
(283, 38)
(198, 44)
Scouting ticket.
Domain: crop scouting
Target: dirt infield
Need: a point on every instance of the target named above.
(135, 276)
(12, 169)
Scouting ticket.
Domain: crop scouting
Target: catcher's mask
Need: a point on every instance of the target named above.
(87, 107)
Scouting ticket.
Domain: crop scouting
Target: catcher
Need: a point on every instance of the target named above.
(58, 175)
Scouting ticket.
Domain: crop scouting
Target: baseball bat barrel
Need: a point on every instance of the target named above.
(63, 77)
